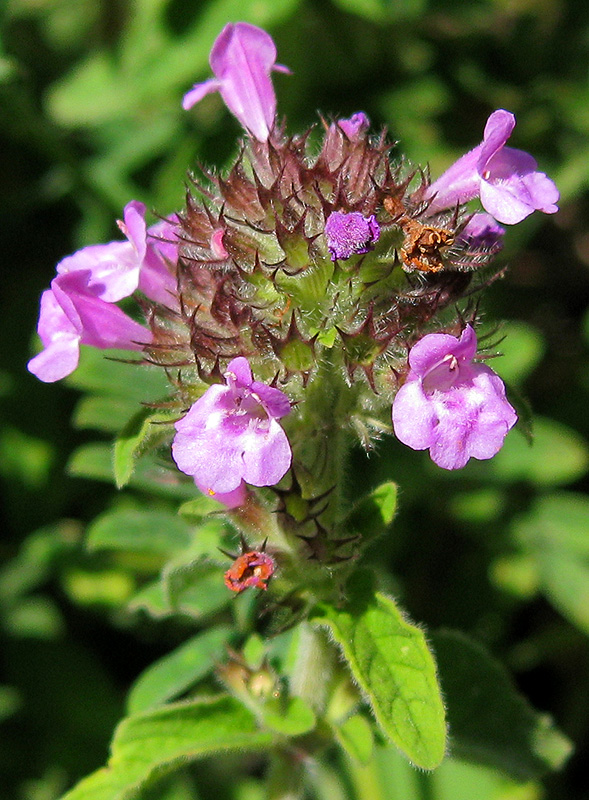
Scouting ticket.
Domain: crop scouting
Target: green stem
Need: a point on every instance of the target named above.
(322, 440)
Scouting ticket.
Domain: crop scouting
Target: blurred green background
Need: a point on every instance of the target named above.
(90, 118)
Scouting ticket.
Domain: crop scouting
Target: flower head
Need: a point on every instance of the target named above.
(455, 408)
(71, 314)
(505, 179)
(232, 434)
(348, 234)
(242, 58)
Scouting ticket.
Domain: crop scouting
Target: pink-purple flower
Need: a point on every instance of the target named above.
(142, 262)
(483, 232)
(242, 59)
(355, 125)
(348, 234)
(506, 180)
(450, 405)
(79, 307)
(232, 434)
(72, 314)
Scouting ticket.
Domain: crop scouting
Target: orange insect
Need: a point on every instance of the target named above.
(422, 243)
(251, 568)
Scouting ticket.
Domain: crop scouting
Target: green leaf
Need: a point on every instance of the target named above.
(107, 414)
(458, 780)
(355, 736)
(150, 745)
(101, 374)
(559, 520)
(94, 461)
(292, 717)
(383, 10)
(195, 589)
(554, 534)
(558, 455)
(489, 721)
(175, 673)
(391, 663)
(144, 431)
(564, 579)
(10, 702)
(521, 350)
(139, 531)
(202, 506)
(373, 514)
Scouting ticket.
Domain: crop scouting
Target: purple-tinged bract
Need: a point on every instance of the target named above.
(348, 234)
(242, 58)
(506, 180)
(232, 434)
(455, 408)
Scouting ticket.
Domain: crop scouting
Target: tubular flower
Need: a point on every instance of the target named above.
(117, 269)
(231, 434)
(242, 58)
(71, 314)
(356, 125)
(233, 499)
(482, 232)
(455, 408)
(505, 179)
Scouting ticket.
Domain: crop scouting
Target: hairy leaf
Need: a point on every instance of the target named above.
(390, 660)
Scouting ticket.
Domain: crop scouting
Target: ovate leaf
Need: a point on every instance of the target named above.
(149, 745)
(139, 531)
(554, 535)
(391, 663)
(175, 673)
(355, 736)
(558, 455)
(292, 717)
(94, 460)
(141, 433)
(489, 721)
(375, 512)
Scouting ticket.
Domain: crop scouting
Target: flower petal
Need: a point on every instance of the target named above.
(266, 456)
(497, 131)
(198, 91)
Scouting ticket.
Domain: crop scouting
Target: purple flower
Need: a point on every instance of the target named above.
(348, 234)
(231, 434)
(482, 232)
(117, 269)
(353, 127)
(71, 314)
(242, 59)
(449, 404)
(233, 499)
(505, 179)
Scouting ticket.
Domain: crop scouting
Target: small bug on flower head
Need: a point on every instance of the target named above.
(251, 568)
(421, 247)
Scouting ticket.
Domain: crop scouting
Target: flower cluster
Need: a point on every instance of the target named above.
(314, 272)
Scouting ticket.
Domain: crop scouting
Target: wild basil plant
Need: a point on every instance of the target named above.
(321, 294)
